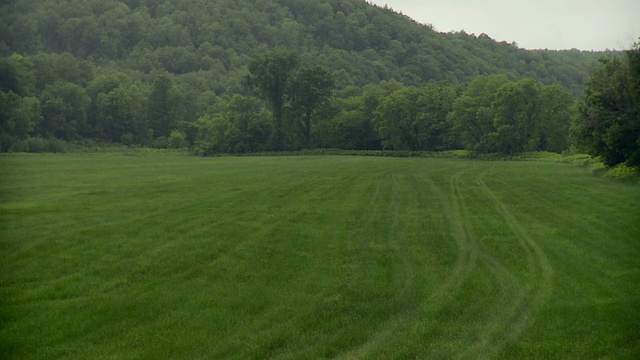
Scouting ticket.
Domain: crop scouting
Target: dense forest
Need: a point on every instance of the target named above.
(243, 76)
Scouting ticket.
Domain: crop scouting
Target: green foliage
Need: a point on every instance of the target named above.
(557, 109)
(180, 37)
(349, 129)
(311, 87)
(250, 126)
(166, 107)
(19, 117)
(9, 81)
(178, 140)
(609, 121)
(472, 115)
(436, 101)
(211, 135)
(498, 115)
(160, 142)
(396, 120)
(243, 126)
(158, 65)
(514, 112)
(39, 145)
(624, 172)
(64, 111)
(127, 139)
(270, 75)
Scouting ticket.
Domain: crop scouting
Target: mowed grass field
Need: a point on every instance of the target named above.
(166, 256)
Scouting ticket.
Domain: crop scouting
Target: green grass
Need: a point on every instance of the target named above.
(125, 256)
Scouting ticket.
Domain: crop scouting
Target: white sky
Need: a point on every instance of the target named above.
(533, 24)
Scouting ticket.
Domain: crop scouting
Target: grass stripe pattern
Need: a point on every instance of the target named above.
(136, 255)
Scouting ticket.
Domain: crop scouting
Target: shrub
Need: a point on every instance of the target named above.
(55, 145)
(21, 146)
(623, 172)
(36, 145)
(127, 139)
(39, 145)
(178, 140)
(160, 143)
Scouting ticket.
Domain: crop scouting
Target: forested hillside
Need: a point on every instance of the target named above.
(133, 71)
(362, 43)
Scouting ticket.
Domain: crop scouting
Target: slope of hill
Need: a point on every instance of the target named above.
(133, 71)
(360, 43)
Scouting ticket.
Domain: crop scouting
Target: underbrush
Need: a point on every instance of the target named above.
(595, 165)
(376, 153)
(623, 172)
(52, 145)
(40, 145)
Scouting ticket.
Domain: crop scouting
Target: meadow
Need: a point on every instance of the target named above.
(169, 256)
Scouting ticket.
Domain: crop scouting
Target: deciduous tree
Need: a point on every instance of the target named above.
(64, 111)
(472, 116)
(165, 107)
(243, 126)
(270, 74)
(311, 87)
(515, 109)
(609, 121)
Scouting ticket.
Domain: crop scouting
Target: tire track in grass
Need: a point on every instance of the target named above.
(299, 204)
(467, 248)
(403, 191)
(510, 297)
(469, 256)
(467, 252)
(536, 295)
(515, 304)
(355, 243)
(403, 273)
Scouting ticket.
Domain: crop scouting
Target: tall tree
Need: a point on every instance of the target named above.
(115, 113)
(497, 115)
(435, 101)
(556, 111)
(243, 126)
(609, 121)
(396, 119)
(311, 87)
(270, 74)
(472, 117)
(18, 118)
(165, 107)
(416, 118)
(515, 111)
(64, 111)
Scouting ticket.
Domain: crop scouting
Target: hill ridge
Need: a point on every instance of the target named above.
(362, 43)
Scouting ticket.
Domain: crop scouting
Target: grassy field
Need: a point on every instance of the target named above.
(159, 256)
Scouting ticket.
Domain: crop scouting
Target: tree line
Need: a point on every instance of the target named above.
(288, 104)
(188, 74)
(491, 114)
(609, 117)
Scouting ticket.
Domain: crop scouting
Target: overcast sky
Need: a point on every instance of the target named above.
(533, 24)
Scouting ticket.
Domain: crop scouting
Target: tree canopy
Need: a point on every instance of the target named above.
(363, 42)
(609, 121)
(157, 72)
(270, 75)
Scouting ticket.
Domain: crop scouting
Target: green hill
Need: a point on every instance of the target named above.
(361, 43)
(131, 71)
